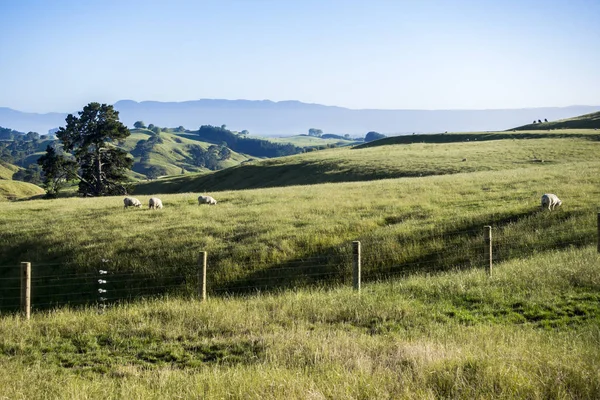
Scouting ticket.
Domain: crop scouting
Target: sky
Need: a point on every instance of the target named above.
(430, 54)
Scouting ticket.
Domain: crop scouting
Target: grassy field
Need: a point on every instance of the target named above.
(308, 141)
(276, 237)
(428, 324)
(423, 157)
(530, 331)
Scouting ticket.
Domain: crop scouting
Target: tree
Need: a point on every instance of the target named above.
(89, 138)
(369, 137)
(155, 129)
(539, 121)
(155, 171)
(315, 132)
(139, 125)
(57, 170)
(545, 120)
(245, 132)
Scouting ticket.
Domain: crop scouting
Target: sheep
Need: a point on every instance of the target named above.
(206, 200)
(131, 202)
(155, 204)
(550, 201)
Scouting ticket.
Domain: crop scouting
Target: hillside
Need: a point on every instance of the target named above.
(401, 220)
(7, 170)
(587, 121)
(14, 190)
(281, 319)
(402, 156)
(171, 155)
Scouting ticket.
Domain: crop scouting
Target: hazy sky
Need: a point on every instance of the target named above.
(59, 55)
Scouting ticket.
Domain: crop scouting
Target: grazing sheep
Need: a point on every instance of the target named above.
(550, 201)
(155, 204)
(206, 200)
(132, 202)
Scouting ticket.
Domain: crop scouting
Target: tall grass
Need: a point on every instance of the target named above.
(530, 331)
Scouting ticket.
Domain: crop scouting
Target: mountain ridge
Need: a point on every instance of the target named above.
(290, 117)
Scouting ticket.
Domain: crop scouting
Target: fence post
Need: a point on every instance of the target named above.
(202, 275)
(488, 248)
(356, 265)
(599, 232)
(26, 289)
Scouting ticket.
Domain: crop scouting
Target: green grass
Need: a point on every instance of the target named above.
(587, 121)
(429, 322)
(453, 137)
(530, 331)
(172, 154)
(391, 161)
(7, 170)
(308, 141)
(13, 190)
(430, 223)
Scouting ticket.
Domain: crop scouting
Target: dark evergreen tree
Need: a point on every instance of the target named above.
(89, 138)
(57, 170)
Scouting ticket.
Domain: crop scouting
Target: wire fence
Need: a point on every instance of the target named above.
(54, 285)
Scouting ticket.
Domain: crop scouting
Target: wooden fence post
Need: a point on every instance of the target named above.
(356, 265)
(202, 275)
(26, 289)
(488, 248)
(599, 232)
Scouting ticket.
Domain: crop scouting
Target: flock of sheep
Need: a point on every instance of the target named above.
(549, 201)
(156, 204)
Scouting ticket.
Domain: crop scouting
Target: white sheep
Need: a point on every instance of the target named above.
(206, 200)
(550, 201)
(155, 204)
(132, 202)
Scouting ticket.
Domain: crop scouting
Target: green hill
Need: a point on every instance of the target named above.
(396, 157)
(13, 190)
(171, 154)
(7, 170)
(587, 121)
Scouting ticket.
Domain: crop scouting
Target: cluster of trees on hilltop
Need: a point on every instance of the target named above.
(254, 147)
(210, 157)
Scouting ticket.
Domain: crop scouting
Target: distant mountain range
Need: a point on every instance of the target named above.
(284, 118)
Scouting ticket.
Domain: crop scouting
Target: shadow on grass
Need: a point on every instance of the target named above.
(59, 280)
(462, 248)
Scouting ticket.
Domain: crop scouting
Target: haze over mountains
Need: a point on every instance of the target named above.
(268, 118)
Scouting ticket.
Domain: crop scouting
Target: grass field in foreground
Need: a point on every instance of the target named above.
(530, 331)
(432, 223)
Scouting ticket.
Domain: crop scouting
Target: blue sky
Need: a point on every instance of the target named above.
(59, 55)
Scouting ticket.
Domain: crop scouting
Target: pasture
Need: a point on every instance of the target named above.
(530, 331)
(429, 322)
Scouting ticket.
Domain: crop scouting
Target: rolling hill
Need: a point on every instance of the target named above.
(13, 190)
(587, 121)
(7, 170)
(395, 157)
